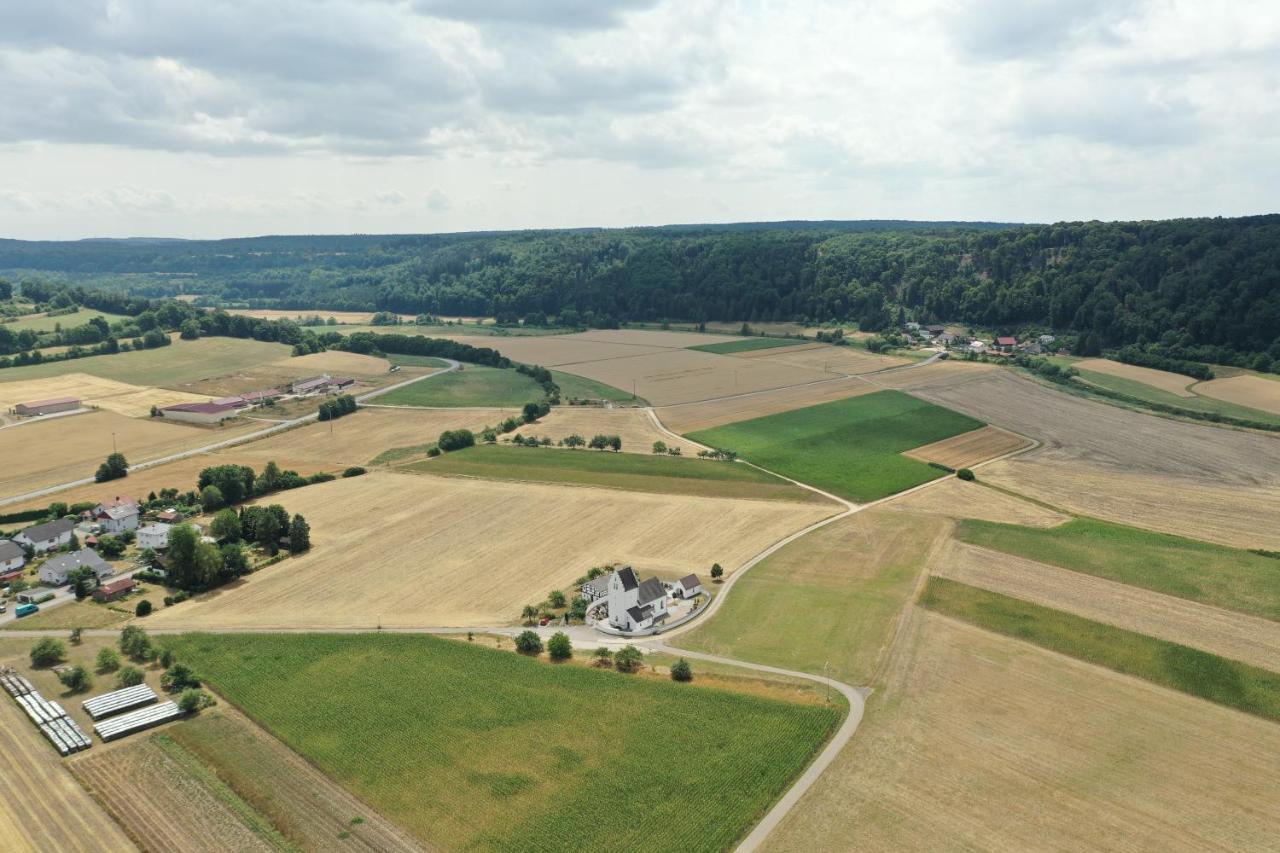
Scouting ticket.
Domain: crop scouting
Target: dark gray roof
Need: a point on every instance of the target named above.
(689, 581)
(651, 590)
(639, 614)
(628, 577)
(48, 530)
(84, 558)
(9, 550)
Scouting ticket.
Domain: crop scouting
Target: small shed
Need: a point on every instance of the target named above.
(113, 590)
(687, 587)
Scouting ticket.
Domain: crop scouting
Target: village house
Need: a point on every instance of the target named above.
(934, 331)
(169, 516)
(945, 339)
(154, 536)
(113, 590)
(12, 558)
(47, 407)
(116, 515)
(977, 347)
(1005, 343)
(687, 587)
(199, 413)
(56, 570)
(48, 536)
(635, 605)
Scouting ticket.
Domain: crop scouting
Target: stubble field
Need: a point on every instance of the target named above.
(180, 362)
(1171, 383)
(954, 498)
(970, 448)
(133, 401)
(405, 551)
(634, 426)
(832, 359)
(337, 363)
(690, 417)
(1248, 390)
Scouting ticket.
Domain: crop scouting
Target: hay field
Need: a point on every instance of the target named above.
(1229, 633)
(832, 359)
(42, 322)
(1170, 383)
(44, 808)
(555, 350)
(795, 346)
(690, 417)
(970, 448)
(337, 363)
(353, 317)
(130, 400)
(1255, 392)
(171, 366)
(1079, 431)
(65, 449)
(1228, 514)
(938, 373)
(654, 337)
(404, 551)
(634, 426)
(979, 741)
(954, 498)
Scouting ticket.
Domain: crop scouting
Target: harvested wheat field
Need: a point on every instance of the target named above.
(134, 401)
(654, 338)
(336, 363)
(970, 448)
(44, 808)
(954, 498)
(352, 317)
(979, 741)
(555, 350)
(634, 426)
(831, 359)
(62, 450)
(797, 346)
(949, 372)
(1075, 430)
(691, 417)
(1227, 633)
(1256, 392)
(403, 550)
(1171, 383)
(358, 438)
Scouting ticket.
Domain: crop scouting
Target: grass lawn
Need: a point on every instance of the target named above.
(830, 599)
(588, 389)
(66, 321)
(77, 614)
(665, 474)
(474, 385)
(1199, 571)
(471, 748)
(416, 360)
(1147, 393)
(848, 447)
(747, 345)
(181, 361)
(1227, 682)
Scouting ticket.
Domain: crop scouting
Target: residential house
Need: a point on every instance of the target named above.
(934, 331)
(48, 536)
(1005, 343)
(687, 587)
(12, 558)
(56, 570)
(113, 590)
(635, 605)
(977, 347)
(117, 515)
(199, 413)
(169, 516)
(945, 339)
(154, 536)
(47, 407)
(596, 588)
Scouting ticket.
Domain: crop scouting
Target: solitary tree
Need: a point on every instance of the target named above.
(48, 652)
(135, 643)
(556, 598)
(574, 441)
(75, 636)
(628, 659)
(964, 474)
(76, 679)
(299, 535)
(559, 647)
(681, 671)
(717, 572)
(143, 608)
(179, 677)
(616, 443)
(108, 659)
(129, 676)
(529, 643)
(193, 700)
(659, 447)
(529, 614)
(113, 469)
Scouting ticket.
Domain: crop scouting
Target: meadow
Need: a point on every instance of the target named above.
(746, 345)
(850, 447)
(416, 360)
(473, 385)
(1199, 673)
(180, 362)
(45, 323)
(1199, 571)
(472, 748)
(581, 388)
(634, 471)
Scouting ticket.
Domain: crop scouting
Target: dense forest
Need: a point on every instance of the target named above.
(1192, 288)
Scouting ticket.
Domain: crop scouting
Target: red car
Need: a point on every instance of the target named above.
(544, 621)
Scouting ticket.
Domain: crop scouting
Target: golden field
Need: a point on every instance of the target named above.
(970, 448)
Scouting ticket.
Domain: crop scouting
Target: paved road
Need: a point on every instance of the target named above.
(230, 442)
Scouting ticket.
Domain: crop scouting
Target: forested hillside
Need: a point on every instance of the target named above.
(1192, 285)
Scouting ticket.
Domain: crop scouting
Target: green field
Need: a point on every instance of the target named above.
(848, 447)
(472, 748)
(827, 602)
(417, 360)
(588, 389)
(66, 321)
(181, 361)
(747, 345)
(633, 471)
(1227, 682)
(473, 385)
(1147, 393)
(1210, 574)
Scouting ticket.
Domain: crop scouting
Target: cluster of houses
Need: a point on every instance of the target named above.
(216, 411)
(1001, 345)
(635, 605)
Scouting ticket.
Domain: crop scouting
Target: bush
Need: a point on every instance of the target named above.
(603, 656)
(108, 659)
(48, 652)
(556, 598)
(135, 643)
(559, 647)
(143, 608)
(114, 468)
(76, 679)
(965, 474)
(353, 471)
(179, 677)
(192, 701)
(129, 676)
(681, 671)
(628, 659)
(455, 439)
(529, 643)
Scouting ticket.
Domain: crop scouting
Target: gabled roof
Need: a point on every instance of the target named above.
(117, 510)
(52, 401)
(253, 396)
(1006, 341)
(639, 614)
(210, 408)
(84, 558)
(628, 577)
(688, 582)
(651, 590)
(48, 530)
(9, 550)
(112, 587)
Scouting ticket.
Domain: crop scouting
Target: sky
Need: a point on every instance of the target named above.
(216, 118)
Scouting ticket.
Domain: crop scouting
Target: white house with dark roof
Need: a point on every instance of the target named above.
(687, 587)
(154, 536)
(12, 557)
(117, 515)
(635, 605)
(48, 536)
(57, 570)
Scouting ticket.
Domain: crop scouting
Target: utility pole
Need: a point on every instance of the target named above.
(113, 442)
(824, 675)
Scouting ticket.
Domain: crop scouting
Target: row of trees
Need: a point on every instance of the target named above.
(628, 659)
(343, 404)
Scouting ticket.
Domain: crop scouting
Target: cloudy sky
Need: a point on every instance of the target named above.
(207, 118)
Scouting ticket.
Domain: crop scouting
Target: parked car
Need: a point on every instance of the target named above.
(544, 621)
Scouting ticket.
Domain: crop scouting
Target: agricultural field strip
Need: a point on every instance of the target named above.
(1249, 639)
(230, 442)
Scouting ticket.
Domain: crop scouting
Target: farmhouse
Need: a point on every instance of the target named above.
(12, 557)
(47, 536)
(635, 605)
(199, 413)
(113, 590)
(154, 536)
(687, 587)
(1005, 343)
(934, 331)
(117, 515)
(56, 570)
(47, 407)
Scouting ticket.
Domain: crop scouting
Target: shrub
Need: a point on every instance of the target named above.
(559, 647)
(192, 701)
(143, 608)
(455, 439)
(603, 656)
(353, 471)
(659, 447)
(108, 659)
(135, 643)
(681, 671)
(129, 676)
(179, 677)
(76, 679)
(965, 474)
(529, 643)
(48, 652)
(628, 659)
(556, 598)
